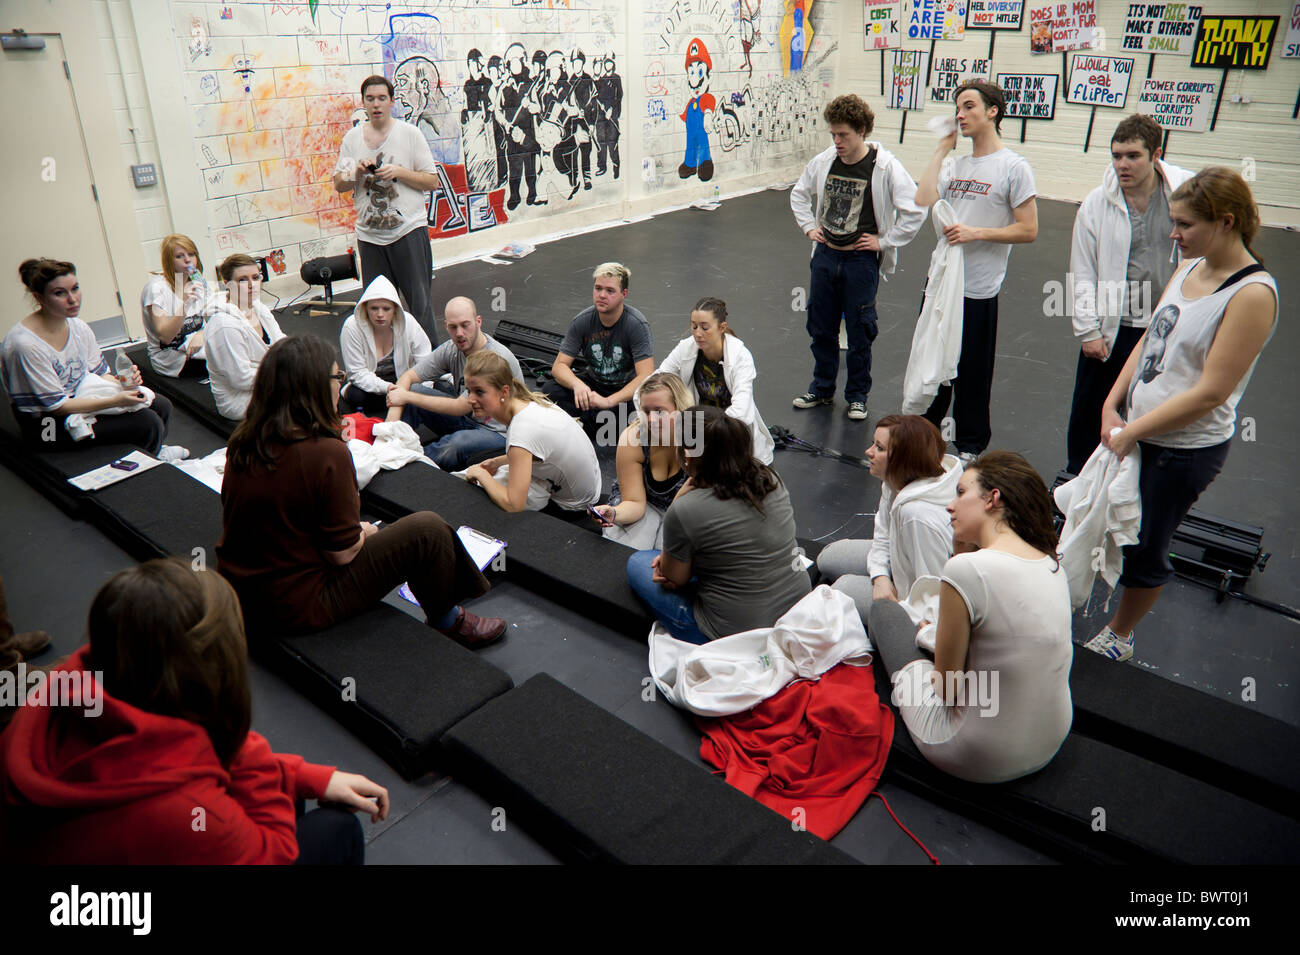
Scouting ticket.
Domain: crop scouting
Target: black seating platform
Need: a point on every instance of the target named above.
(598, 790)
(1151, 813)
(410, 684)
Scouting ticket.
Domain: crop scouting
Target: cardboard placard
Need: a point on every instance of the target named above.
(907, 79)
(1291, 47)
(1180, 105)
(1161, 28)
(1029, 95)
(936, 20)
(951, 71)
(881, 24)
(1099, 80)
(995, 14)
(1059, 27)
(1234, 43)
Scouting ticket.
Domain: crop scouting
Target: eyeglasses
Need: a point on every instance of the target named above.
(340, 377)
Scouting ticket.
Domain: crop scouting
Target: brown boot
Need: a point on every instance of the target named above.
(14, 648)
(473, 631)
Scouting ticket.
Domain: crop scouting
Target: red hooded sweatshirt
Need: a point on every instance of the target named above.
(130, 787)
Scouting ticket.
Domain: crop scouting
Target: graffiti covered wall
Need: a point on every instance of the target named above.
(528, 106)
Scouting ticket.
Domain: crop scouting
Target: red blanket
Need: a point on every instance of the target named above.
(362, 427)
(813, 752)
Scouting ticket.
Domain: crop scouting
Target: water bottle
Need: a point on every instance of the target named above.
(122, 365)
(196, 277)
(716, 194)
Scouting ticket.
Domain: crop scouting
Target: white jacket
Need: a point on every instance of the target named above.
(738, 371)
(361, 356)
(893, 195)
(936, 342)
(1103, 513)
(732, 674)
(913, 536)
(1099, 254)
(234, 351)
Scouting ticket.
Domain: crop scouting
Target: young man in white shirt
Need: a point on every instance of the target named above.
(1121, 259)
(864, 211)
(447, 413)
(387, 165)
(992, 193)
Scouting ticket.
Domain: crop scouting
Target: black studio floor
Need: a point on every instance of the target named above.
(750, 253)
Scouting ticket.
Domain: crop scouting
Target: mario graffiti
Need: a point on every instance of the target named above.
(698, 160)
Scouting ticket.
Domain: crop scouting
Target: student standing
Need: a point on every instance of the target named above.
(387, 165)
(855, 202)
(1121, 258)
(993, 195)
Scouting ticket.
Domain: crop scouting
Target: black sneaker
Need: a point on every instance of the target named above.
(858, 410)
(810, 400)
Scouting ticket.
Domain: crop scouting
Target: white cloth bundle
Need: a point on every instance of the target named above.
(936, 343)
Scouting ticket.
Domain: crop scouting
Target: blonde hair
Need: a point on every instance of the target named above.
(494, 369)
(168, 252)
(665, 381)
(613, 270)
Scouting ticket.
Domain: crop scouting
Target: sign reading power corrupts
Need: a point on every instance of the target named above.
(1234, 43)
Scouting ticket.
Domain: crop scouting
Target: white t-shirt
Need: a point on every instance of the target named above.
(40, 377)
(168, 360)
(1175, 348)
(565, 469)
(1017, 711)
(985, 191)
(388, 210)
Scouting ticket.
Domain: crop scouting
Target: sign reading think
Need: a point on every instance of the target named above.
(907, 79)
(880, 20)
(995, 14)
(1063, 26)
(1029, 95)
(1161, 28)
(1178, 104)
(1234, 43)
(1292, 45)
(1099, 80)
(952, 71)
(937, 20)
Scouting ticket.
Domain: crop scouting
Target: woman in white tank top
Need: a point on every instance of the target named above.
(1182, 383)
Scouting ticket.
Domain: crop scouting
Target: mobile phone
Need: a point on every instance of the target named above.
(591, 509)
(125, 465)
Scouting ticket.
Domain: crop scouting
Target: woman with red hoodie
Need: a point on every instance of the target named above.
(157, 764)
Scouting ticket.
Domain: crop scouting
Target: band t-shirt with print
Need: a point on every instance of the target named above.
(985, 191)
(710, 385)
(611, 353)
(847, 210)
(386, 211)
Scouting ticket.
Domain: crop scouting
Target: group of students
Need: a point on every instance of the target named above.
(711, 522)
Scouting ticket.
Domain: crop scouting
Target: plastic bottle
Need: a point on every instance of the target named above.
(717, 194)
(122, 366)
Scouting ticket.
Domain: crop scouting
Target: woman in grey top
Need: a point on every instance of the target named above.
(729, 561)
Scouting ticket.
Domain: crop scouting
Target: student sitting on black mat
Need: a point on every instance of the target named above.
(293, 542)
(381, 342)
(48, 358)
(549, 462)
(995, 703)
(152, 761)
(173, 306)
(730, 560)
(239, 332)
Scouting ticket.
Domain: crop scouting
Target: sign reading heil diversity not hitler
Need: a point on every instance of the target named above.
(1099, 80)
(995, 14)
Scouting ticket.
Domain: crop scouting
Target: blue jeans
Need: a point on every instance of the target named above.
(672, 608)
(843, 285)
(461, 436)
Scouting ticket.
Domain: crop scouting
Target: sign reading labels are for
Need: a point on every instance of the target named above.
(1161, 28)
(1099, 80)
(1234, 43)
(952, 71)
(1029, 95)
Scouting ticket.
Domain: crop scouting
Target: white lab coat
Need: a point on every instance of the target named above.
(936, 343)
(738, 371)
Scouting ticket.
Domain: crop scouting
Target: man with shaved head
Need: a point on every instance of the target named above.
(444, 408)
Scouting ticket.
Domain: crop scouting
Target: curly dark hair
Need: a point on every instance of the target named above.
(851, 110)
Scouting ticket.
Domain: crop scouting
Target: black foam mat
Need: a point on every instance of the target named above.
(598, 790)
(1096, 803)
(571, 566)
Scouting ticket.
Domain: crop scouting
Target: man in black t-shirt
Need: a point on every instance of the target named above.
(615, 341)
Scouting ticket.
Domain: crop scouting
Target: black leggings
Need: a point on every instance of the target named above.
(329, 835)
(144, 429)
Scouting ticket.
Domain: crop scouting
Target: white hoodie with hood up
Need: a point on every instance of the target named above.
(1099, 255)
(361, 356)
(913, 536)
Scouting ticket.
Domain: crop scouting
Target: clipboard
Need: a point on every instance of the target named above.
(482, 548)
